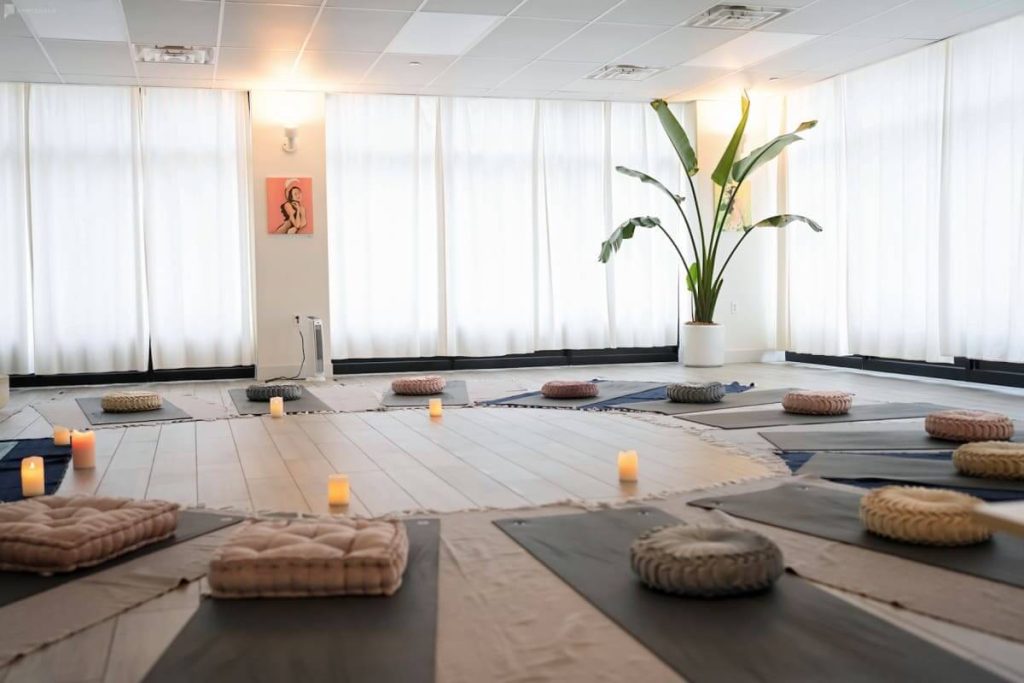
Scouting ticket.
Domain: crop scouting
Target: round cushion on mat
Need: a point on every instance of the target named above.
(914, 514)
(990, 459)
(419, 386)
(817, 402)
(569, 389)
(130, 401)
(706, 561)
(969, 425)
(696, 392)
(265, 392)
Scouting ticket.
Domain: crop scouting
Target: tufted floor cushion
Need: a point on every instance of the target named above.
(969, 425)
(706, 561)
(265, 392)
(130, 401)
(296, 559)
(53, 534)
(569, 389)
(817, 402)
(419, 386)
(695, 392)
(990, 459)
(924, 516)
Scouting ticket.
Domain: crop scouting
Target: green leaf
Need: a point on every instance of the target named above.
(767, 152)
(691, 277)
(625, 232)
(644, 178)
(677, 136)
(721, 173)
(782, 220)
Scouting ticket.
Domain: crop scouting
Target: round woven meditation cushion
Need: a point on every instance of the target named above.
(990, 459)
(130, 401)
(419, 386)
(696, 392)
(265, 392)
(817, 402)
(914, 514)
(706, 561)
(569, 389)
(969, 425)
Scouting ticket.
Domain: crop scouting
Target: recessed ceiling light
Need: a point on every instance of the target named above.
(173, 54)
(415, 63)
(736, 17)
(623, 72)
(441, 33)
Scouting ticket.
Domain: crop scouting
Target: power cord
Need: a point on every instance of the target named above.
(302, 365)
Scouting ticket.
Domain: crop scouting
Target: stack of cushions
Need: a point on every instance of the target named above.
(297, 559)
(419, 386)
(706, 561)
(130, 401)
(265, 392)
(53, 534)
(913, 514)
(569, 389)
(969, 425)
(817, 402)
(990, 459)
(695, 392)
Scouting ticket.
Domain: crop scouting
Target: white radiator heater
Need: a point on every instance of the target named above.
(316, 353)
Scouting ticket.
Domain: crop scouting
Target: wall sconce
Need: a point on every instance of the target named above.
(291, 134)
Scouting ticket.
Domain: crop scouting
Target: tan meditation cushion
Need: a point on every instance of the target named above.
(914, 514)
(969, 425)
(53, 534)
(569, 389)
(817, 402)
(990, 459)
(297, 559)
(130, 401)
(419, 386)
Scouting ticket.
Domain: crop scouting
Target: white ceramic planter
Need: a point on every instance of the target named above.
(5, 390)
(703, 345)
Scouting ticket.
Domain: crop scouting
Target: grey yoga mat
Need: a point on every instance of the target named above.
(864, 440)
(16, 586)
(833, 514)
(606, 390)
(754, 397)
(356, 638)
(837, 465)
(795, 632)
(454, 394)
(778, 417)
(307, 404)
(93, 409)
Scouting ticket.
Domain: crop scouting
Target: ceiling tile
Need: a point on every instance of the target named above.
(820, 53)
(518, 94)
(478, 73)
(266, 27)
(396, 70)
(245, 64)
(603, 42)
(750, 48)
(158, 82)
(172, 22)
(662, 85)
(407, 5)
(662, 12)
(829, 16)
(679, 45)
(75, 19)
(872, 55)
(442, 33)
(28, 77)
(496, 7)
(922, 19)
(549, 75)
(334, 67)
(180, 72)
(90, 57)
(460, 91)
(523, 38)
(12, 24)
(582, 10)
(353, 30)
(93, 79)
(22, 54)
(312, 3)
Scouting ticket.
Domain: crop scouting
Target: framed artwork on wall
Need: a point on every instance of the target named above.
(290, 206)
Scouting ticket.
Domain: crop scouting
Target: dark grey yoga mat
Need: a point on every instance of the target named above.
(454, 394)
(794, 632)
(942, 473)
(753, 397)
(833, 514)
(353, 638)
(864, 440)
(778, 417)
(307, 404)
(93, 410)
(16, 586)
(606, 390)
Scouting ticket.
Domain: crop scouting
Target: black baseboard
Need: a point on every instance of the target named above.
(657, 354)
(178, 375)
(961, 369)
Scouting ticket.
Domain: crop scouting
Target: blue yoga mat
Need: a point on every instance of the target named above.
(55, 463)
(658, 394)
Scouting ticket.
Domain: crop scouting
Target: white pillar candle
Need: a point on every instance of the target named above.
(337, 490)
(32, 481)
(83, 450)
(276, 406)
(61, 436)
(628, 466)
(436, 407)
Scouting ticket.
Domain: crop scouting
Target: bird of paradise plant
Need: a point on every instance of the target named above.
(704, 276)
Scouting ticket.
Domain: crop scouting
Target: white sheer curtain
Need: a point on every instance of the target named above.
(15, 280)
(195, 146)
(88, 280)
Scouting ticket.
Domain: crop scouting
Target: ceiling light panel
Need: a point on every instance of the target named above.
(75, 19)
(441, 33)
(750, 48)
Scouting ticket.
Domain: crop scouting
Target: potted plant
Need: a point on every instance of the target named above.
(703, 338)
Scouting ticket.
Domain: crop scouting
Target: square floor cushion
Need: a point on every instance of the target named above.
(52, 534)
